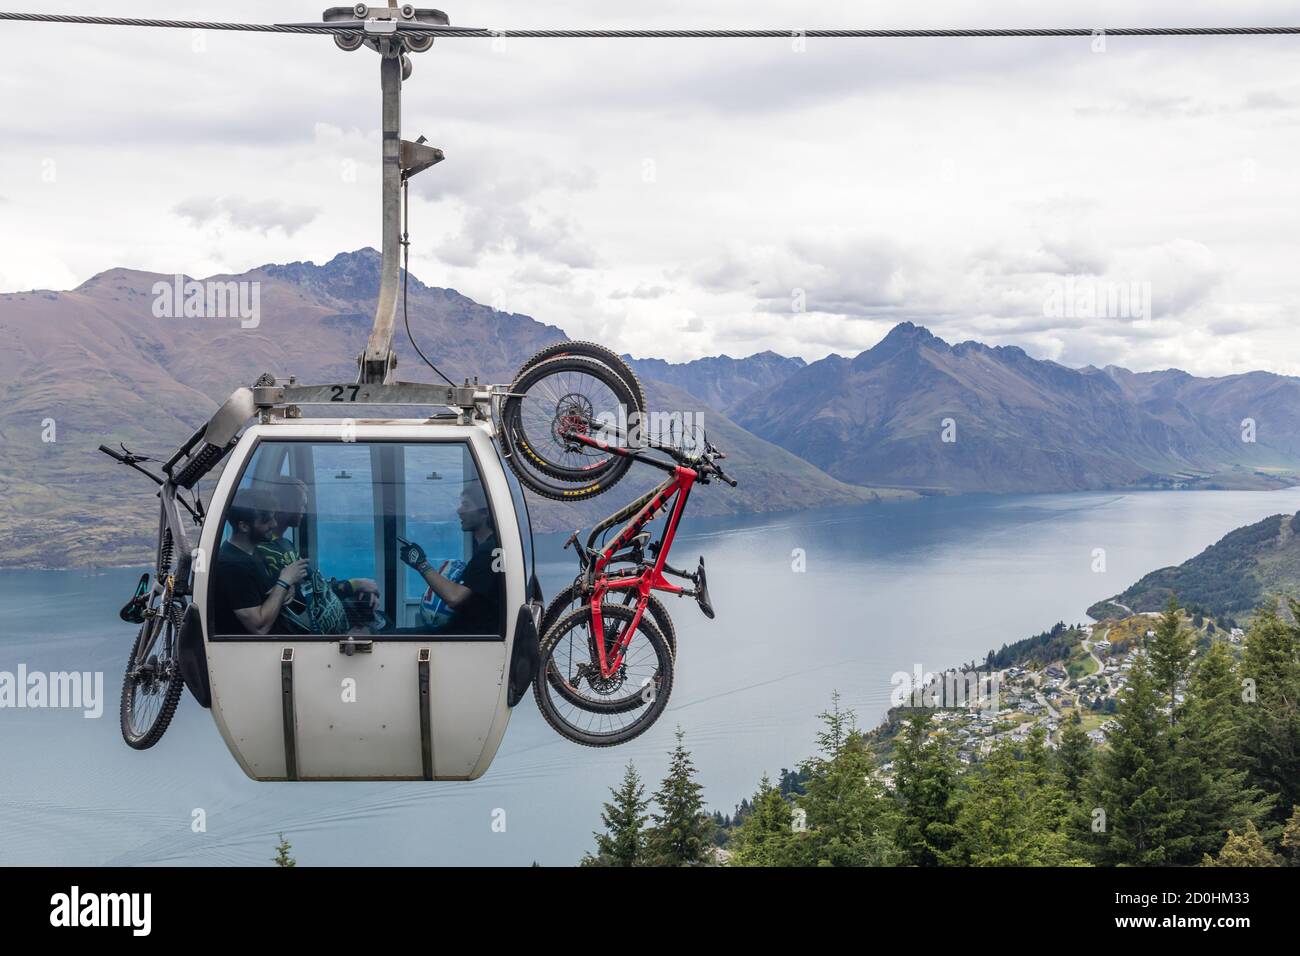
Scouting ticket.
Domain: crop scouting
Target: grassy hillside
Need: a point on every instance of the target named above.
(1228, 580)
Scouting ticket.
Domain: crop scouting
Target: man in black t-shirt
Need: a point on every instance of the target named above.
(247, 599)
(479, 612)
(292, 500)
(475, 599)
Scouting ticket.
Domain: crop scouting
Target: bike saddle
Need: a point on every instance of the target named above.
(133, 611)
(702, 591)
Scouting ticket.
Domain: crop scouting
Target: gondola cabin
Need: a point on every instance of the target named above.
(370, 668)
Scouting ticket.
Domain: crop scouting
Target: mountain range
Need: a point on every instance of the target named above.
(916, 412)
(722, 382)
(95, 364)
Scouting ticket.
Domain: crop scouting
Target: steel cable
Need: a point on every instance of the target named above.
(437, 30)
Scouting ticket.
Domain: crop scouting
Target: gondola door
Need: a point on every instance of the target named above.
(351, 700)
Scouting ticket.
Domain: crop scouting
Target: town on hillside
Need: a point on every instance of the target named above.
(1086, 679)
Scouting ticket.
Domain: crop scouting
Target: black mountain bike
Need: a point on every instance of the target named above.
(153, 683)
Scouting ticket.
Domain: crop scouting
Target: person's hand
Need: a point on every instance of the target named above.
(413, 555)
(367, 590)
(295, 572)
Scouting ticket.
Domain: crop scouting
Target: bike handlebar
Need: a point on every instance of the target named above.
(731, 481)
(705, 464)
(133, 461)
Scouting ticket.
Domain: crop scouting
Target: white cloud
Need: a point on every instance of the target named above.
(250, 215)
(642, 291)
(516, 231)
(670, 196)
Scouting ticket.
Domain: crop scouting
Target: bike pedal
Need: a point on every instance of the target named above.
(702, 591)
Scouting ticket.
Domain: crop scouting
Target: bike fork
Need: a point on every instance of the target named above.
(610, 664)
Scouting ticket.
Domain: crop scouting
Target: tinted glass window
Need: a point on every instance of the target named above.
(382, 539)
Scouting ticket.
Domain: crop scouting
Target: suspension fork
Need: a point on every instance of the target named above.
(177, 582)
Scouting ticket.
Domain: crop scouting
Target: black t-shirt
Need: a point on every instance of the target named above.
(480, 614)
(240, 580)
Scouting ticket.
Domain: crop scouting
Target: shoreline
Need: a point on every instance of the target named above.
(904, 496)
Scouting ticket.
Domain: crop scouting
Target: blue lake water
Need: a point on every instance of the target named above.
(884, 587)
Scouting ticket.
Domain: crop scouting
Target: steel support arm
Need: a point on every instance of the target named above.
(379, 359)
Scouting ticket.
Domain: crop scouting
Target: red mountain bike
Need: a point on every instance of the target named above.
(606, 690)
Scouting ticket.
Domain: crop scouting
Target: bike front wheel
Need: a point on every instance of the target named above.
(573, 597)
(614, 709)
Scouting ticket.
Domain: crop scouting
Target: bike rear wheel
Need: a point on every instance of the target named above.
(152, 685)
(557, 396)
(590, 350)
(616, 710)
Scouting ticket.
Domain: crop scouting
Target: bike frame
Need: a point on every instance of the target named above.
(674, 491)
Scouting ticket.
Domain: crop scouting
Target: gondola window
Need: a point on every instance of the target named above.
(384, 539)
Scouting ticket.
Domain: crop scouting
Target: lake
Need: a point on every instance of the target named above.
(883, 588)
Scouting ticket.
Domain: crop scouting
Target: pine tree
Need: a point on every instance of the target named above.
(1270, 674)
(721, 828)
(767, 836)
(1013, 813)
(1291, 839)
(1207, 777)
(282, 857)
(1214, 706)
(838, 724)
(1054, 807)
(624, 842)
(850, 821)
(682, 834)
(925, 788)
(791, 782)
(1170, 651)
(1245, 849)
(1074, 756)
(1130, 773)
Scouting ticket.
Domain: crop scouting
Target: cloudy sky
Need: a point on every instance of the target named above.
(686, 198)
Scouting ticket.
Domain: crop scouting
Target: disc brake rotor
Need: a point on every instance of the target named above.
(602, 685)
(573, 413)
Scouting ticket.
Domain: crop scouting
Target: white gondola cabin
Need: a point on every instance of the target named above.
(409, 688)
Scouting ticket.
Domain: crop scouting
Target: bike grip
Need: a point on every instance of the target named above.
(111, 453)
(719, 473)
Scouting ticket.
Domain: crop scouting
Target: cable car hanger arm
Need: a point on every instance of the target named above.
(377, 25)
